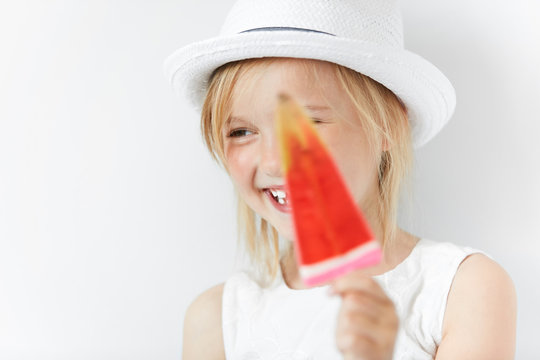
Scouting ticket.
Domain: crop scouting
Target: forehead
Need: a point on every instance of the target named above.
(299, 71)
(309, 81)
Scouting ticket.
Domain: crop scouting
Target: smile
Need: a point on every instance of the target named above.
(279, 198)
(279, 195)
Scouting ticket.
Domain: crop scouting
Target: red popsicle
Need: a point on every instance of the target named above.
(332, 236)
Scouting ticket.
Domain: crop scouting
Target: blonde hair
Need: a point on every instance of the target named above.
(383, 117)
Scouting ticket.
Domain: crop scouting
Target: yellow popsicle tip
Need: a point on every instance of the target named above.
(289, 117)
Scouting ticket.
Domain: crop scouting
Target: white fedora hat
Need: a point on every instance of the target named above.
(363, 35)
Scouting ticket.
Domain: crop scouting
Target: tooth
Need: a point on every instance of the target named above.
(280, 193)
(281, 201)
(274, 192)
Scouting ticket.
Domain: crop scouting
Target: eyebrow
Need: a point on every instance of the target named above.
(307, 107)
(317, 107)
(230, 119)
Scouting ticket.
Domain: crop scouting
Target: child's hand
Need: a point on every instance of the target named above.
(367, 322)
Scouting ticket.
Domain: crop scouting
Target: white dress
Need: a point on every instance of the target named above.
(279, 323)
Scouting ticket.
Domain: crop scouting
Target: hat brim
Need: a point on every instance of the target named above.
(425, 91)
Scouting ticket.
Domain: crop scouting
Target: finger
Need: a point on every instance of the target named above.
(364, 342)
(354, 343)
(356, 281)
(379, 313)
(357, 323)
(358, 302)
(368, 322)
(363, 325)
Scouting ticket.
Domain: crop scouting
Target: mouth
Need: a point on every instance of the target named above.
(278, 197)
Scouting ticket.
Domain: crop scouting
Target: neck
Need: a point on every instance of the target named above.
(400, 247)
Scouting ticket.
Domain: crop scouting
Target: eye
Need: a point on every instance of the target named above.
(239, 133)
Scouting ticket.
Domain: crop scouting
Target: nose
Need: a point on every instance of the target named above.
(270, 159)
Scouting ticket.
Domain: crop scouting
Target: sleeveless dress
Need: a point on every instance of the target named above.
(280, 323)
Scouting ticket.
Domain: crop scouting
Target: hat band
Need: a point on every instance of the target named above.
(284, 28)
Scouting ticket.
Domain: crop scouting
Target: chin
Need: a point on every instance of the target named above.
(286, 232)
(282, 222)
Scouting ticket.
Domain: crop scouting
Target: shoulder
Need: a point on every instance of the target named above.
(202, 326)
(206, 307)
(480, 317)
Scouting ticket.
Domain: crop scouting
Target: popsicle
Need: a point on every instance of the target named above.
(332, 235)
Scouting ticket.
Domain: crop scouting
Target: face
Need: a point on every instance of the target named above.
(252, 150)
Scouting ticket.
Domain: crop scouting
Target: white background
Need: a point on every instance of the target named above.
(113, 217)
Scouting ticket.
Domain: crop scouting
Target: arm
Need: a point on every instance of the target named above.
(480, 318)
(203, 337)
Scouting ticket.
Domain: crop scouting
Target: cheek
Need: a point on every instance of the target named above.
(353, 158)
(240, 164)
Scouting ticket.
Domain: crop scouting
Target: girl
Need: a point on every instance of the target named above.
(372, 102)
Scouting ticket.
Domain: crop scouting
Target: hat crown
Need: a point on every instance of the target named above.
(375, 21)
